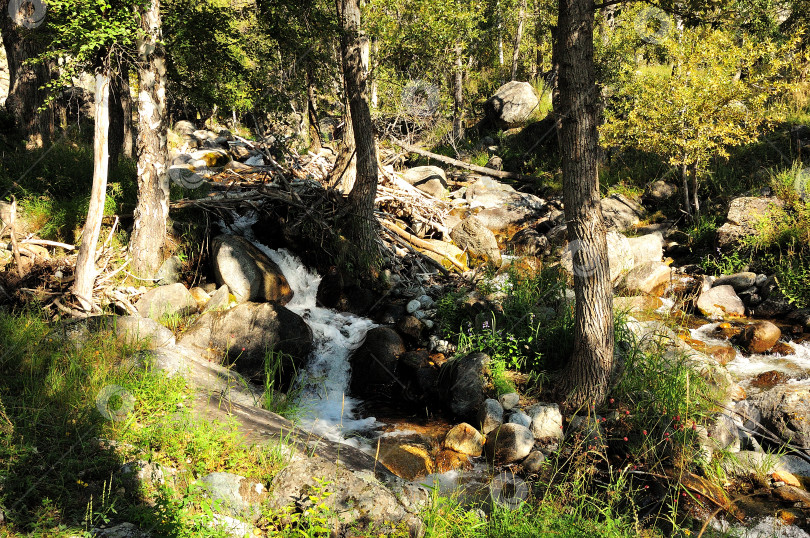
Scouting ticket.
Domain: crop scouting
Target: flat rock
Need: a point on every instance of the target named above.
(738, 281)
(236, 494)
(134, 330)
(170, 300)
(621, 213)
(647, 248)
(720, 302)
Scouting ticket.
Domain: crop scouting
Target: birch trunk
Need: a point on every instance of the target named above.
(518, 38)
(86, 261)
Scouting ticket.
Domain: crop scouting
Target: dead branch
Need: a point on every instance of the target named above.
(420, 243)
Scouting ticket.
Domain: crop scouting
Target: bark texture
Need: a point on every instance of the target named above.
(152, 210)
(362, 224)
(25, 80)
(518, 38)
(458, 94)
(586, 378)
(86, 261)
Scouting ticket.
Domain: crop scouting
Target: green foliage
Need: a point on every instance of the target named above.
(283, 403)
(724, 263)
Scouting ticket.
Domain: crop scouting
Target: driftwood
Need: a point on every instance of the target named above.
(420, 243)
(461, 164)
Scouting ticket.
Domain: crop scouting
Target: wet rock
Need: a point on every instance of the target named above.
(414, 359)
(719, 302)
(428, 179)
(465, 439)
(530, 242)
(408, 461)
(620, 257)
(792, 494)
(375, 362)
(784, 410)
(133, 330)
(759, 337)
(490, 416)
(801, 317)
(773, 307)
(170, 300)
(509, 443)
(479, 242)
(236, 494)
(362, 501)
(738, 281)
(647, 248)
(650, 278)
(533, 462)
(783, 349)
(449, 460)
(621, 213)
(247, 271)
(547, 422)
(511, 105)
(244, 334)
(509, 400)
(743, 216)
(461, 381)
(410, 327)
(768, 380)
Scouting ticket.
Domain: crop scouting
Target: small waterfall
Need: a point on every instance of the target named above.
(326, 409)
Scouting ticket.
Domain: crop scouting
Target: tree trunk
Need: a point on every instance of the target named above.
(344, 172)
(586, 378)
(152, 210)
(458, 95)
(116, 138)
(695, 199)
(362, 226)
(518, 38)
(126, 105)
(25, 80)
(86, 261)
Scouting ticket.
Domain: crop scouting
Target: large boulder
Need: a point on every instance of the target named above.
(134, 330)
(784, 410)
(428, 179)
(247, 271)
(505, 210)
(479, 242)
(374, 364)
(462, 381)
(509, 443)
(235, 494)
(244, 335)
(364, 503)
(170, 300)
(530, 242)
(744, 214)
(621, 213)
(738, 281)
(649, 278)
(512, 105)
(620, 257)
(465, 439)
(547, 421)
(720, 302)
(647, 248)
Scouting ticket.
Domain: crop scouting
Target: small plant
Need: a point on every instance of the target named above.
(724, 263)
(285, 404)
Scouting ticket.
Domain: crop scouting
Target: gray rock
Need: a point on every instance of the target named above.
(490, 416)
(738, 281)
(519, 417)
(650, 278)
(511, 105)
(589, 427)
(413, 306)
(235, 528)
(619, 254)
(122, 530)
(533, 462)
(169, 272)
(425, 301)
(505, 209)
(184, 127)
(146, 473)
(744, 214)
(173, 299)
(509, 443)
(219, 300)
(361, 500)
(660, 191)
(428, 179)
(243, 335)
(461, 381)
(776, 305)
(238, 496)
(247, 271)
(719, 302)
(134, 330)
(558, 235)
(471, 235)
(547, 422)
(509, 400)
(465, 439)
(802, 317)
(529, 242)
(647, 248)
(724, 434)
(621, 213)
(784, 410)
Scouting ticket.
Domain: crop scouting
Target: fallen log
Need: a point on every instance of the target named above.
(501, 174)
(417, 242)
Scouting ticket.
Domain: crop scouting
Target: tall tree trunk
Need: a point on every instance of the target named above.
(362, 226)
(518, 38)
(585, 379)
(372, 77)
(344, 172)
(458, 95)
(126, 105)
(25, 80)
(86, 261)
(152, 210)
(312, 110)
(116, 138)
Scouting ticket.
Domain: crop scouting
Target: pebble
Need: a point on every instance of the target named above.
(428, 323)
(510, 400)
(413, 306)
(419, 314)
(425, 301)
